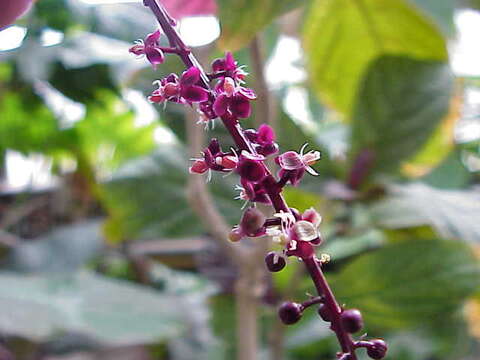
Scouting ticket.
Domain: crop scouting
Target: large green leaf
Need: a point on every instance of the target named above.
(242, 19)
(453, 213)
(400, 104)
(147, 198)
(342, 37)
(411, 282)
(110, 311)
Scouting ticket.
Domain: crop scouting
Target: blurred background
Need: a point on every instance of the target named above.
(103, 255)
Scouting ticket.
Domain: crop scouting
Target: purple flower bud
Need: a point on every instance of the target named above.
(377, 349)
(269, 149)
(252, 221)
(266, 135)
(275, 262)
(190, 76)
(290, 312)
(218, 65)
(240, 107)
(352, 320)
(324, 313)
(251, 168)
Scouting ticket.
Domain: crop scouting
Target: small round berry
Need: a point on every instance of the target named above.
(290, 312)
(352, 320)
(377, 349)
(252, 221)
(274, 262)
(324, 313)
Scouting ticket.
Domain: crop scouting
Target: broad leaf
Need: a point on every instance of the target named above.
(240, 20)
(453, 213)
(400, 104)
(111, 311)
(342, 38)
(410, 282)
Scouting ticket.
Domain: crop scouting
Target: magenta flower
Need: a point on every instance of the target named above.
(181, 90)
(228, 67)
(250, 167)
(150, 47)
(233, 99)
(214, 159)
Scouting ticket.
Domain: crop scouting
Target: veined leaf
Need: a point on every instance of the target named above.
(401, 102)
(410, 282)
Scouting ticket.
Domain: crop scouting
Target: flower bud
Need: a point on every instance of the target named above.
(274, 262)
(324, 313)
(352, 320)
(218, 65)
(251, 170)
(266, 135)
(252, 221)
(377, 349)
(290, 312)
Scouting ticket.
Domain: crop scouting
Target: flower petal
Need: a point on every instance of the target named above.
(190, 76)
(154, 55)
(291, 160)
(194, 93)
(221, 104)
(240, 106)
(152, 39)
(248, 93)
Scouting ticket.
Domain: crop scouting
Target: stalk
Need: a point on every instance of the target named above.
(273, 190)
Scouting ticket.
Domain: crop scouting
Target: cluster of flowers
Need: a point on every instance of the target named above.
(222, 94)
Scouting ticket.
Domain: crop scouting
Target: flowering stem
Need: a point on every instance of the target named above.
(269, 183)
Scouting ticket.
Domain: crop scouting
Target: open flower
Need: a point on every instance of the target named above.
(149, 47)
(232, 98)
(293, 165)
(183, 90)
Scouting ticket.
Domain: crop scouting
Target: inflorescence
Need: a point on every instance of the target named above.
(221, 94)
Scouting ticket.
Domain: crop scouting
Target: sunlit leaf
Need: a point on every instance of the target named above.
(342, 38)
(240, 20)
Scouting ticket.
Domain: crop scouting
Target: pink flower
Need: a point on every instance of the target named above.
(181, 90)
(150, 47)
(228, 67)
(293, 165)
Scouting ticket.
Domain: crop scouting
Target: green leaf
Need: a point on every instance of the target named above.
(147, 198)
(240, 20)
(409, 283)
(400, 104)
(342, 38)
(111, 311)
(453, 213)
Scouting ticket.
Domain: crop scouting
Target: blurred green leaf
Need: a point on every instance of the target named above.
(111, 311)
(342, 38)
(409, 283)
(453, 213)
(400, 103)
(342, 247)
(147, 198)
(240, 20)
(441, 11)
(65, 249)
(450, 174)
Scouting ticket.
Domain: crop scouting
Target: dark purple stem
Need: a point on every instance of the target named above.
(269, 183)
